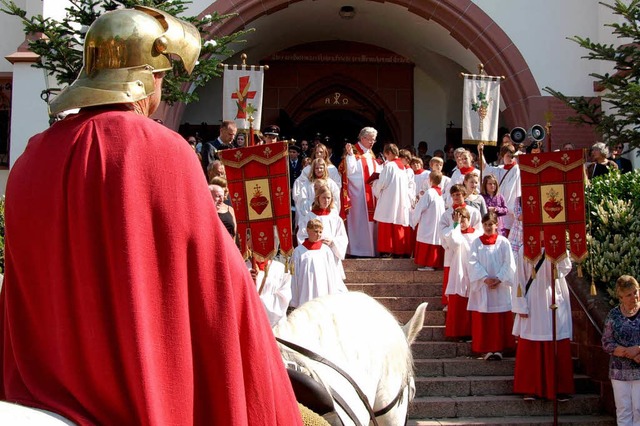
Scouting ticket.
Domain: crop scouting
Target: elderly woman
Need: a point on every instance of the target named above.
(600, 164)
(621, 339)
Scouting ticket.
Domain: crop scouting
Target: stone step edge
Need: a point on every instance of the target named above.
(512, 420)
(478, 378)
(491, 398)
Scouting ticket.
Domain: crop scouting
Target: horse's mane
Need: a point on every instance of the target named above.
(352, 327)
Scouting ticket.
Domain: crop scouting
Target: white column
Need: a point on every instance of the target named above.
(29, 113)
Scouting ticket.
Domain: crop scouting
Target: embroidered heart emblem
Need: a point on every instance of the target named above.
(553, 208)
(258, 203)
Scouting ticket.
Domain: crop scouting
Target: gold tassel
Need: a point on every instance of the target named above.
(519, 292)
(580, 271)
(533, 273)
(593, 291)
(555, 274)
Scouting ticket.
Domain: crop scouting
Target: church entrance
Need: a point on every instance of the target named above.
(336, 127)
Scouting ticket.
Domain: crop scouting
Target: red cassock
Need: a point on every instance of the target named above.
(125, 301)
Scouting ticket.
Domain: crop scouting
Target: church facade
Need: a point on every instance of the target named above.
(335, 67)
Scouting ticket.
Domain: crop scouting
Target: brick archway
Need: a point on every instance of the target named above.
(465, 21)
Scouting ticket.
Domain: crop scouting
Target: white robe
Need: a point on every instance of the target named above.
(446, 226)
(276, 292)
(456, 178)
(362, 232)
(459, 246)
(536, 302)
(304, 194)
(509, 188)
(314, 275)
(427, 214)
(491, 261)
(393, 191)
(412, 184)
(332, 229)
(422, 183)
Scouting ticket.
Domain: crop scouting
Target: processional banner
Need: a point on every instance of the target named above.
(553, 205)
(258, 179)
(480, 109)
(242, 95)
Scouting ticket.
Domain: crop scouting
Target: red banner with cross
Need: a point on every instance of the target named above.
(258, 179)
(553, 205)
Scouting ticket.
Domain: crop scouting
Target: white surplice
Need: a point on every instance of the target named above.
(427, 213)
(276, 291)
(537, 301)
(393, 191)
(459, 246)
(304, 194)
(332, 229)
(315, 275)
(446, 226)
(491, 261)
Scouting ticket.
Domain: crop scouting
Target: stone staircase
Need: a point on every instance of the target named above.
(453, 387)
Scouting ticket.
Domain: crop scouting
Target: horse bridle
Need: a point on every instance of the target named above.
(372, 414)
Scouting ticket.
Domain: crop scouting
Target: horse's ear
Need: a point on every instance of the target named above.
(415, 324)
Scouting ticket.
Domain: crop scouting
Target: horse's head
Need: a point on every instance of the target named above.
(361, 336)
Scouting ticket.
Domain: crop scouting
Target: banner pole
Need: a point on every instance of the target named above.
(554, 309)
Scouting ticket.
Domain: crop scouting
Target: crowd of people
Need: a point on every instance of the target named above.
(452, 211)
(141, 310)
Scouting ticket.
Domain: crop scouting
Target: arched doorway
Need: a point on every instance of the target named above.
(336, 127)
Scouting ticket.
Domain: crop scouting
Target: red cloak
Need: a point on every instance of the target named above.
(125, 301)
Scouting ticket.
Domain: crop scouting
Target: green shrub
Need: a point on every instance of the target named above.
(613, 206)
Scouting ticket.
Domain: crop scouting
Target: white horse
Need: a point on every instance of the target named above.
(363, 338)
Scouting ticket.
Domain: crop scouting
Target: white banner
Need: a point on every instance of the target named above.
(480, 109)
(242, 95)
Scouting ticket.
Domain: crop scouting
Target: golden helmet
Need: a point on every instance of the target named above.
(122, 50)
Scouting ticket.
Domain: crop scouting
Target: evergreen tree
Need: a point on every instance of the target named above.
(59, 43)
(616, 114)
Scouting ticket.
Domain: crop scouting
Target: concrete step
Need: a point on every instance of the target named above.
(437, 407)
(431, 289)
(386, 276)
(465, 366)
(409, 303)
(379, 264)
(574, 420)
(431, 317)
(430, 333)
(440, 350)
(482, 385)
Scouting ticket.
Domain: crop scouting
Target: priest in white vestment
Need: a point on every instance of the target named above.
(358, 166)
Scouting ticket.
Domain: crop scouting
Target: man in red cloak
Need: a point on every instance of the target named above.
(125, 301)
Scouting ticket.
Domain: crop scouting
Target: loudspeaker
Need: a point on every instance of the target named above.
(537, 132)
(518, 134)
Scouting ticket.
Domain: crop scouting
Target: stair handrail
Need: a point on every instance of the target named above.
(585, 310)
